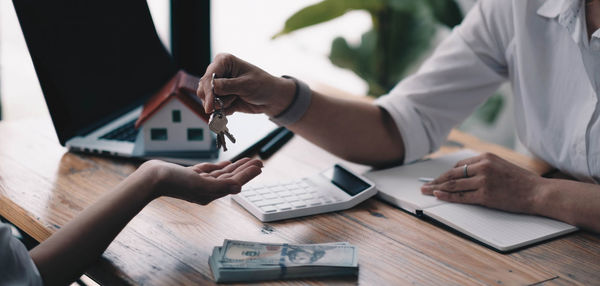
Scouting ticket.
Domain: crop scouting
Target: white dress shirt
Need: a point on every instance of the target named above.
(543, 48)
(16, 266)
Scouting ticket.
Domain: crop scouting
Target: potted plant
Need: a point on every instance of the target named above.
(402, 31)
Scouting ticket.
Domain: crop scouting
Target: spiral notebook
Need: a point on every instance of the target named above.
(496, 229)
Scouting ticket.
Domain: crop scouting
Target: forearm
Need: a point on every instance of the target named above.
(69, 252)
(569, 201)
(354, 130)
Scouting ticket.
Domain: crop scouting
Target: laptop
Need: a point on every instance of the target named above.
(97, 63)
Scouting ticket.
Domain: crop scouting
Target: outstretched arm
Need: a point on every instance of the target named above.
(354, 130)
(69, 252)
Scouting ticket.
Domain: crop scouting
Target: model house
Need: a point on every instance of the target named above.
(173, 121)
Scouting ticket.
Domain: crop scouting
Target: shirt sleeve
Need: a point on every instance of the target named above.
(465, 69)
(16, 266)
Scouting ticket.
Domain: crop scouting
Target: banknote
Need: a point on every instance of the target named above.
(256, 261)
(237, 252)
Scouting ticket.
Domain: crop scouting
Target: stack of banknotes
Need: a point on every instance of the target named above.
(238, 261)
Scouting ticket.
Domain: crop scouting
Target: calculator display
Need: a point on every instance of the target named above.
(348, 182)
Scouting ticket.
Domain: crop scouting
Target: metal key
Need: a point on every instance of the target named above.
(218, 121)
(218, 124)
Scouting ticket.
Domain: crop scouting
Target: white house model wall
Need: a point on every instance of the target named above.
(167, 131)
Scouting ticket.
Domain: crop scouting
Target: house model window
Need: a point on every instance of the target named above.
(158, 134)
(195, 134)
(176, 115)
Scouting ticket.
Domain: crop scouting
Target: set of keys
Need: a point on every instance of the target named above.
(218, 120)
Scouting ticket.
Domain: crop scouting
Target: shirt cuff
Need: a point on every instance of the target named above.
(416, 141)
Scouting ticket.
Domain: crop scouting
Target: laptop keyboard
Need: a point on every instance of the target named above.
(125, 132)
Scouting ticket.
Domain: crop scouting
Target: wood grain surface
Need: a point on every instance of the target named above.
(42, 187)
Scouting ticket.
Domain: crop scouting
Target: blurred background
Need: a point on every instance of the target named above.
(246, 29)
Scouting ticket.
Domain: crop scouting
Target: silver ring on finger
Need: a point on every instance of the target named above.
(465, 171)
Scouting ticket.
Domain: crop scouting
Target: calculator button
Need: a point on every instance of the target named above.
(263, 191)
(305, 196)
(298, 204)
(272, 202)
(269, 196)
(278, 189)
(303, 185)
(249, 193)
(299, 192)
(284, 207)
(254, 199)
(313, 202)
(265, 203)
(285, 194)
(268, 209)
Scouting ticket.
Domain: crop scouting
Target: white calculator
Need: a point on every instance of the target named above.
(332, 190)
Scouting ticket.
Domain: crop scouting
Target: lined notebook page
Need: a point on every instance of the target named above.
(400, 185)
(501, 230)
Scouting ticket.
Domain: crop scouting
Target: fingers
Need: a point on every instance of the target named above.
(242, 177)
(242, 106)
(469, 161)
(485, 156)
(452, 174)
(229, 168)
(249, 163)
(469, 197)
(207, 167)
(231, 182)
(222, 66)
(228, 100)
(230, 85)
(205, 87)
(454, 185)
(473, 165)
(204, 90)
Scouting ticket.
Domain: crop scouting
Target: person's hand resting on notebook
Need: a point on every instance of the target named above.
(489, 181)
(66, 254)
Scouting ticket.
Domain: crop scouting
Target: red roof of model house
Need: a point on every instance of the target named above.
(181, 86)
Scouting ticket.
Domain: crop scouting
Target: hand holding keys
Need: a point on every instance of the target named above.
(218, 121)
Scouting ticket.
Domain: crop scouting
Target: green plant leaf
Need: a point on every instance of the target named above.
(325, 11)
(446, 12)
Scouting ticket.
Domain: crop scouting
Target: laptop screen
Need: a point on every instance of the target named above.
(94, 59)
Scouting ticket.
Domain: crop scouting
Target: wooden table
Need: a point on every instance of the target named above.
(42, 187)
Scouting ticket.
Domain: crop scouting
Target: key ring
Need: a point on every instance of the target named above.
(221, 106)
(216, 100)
